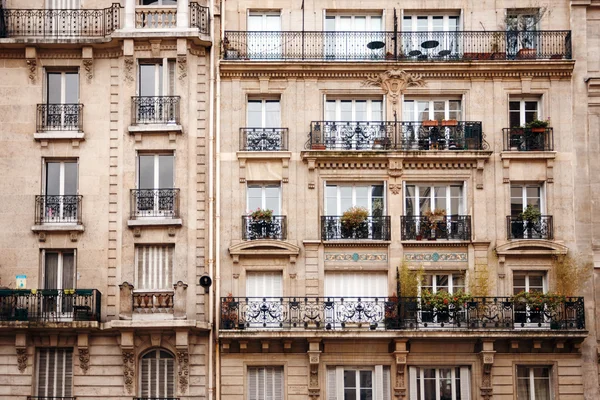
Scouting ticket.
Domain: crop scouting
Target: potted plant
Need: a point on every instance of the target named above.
(229, 312)
(497, 39)
(260, 222)
(353, 222)
(442, 303)
(538, 126)
(429, 123)
(433, 220)
(449, 122)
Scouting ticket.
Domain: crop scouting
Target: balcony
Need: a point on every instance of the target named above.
(59, 117)
(55, 209)
(397, 46)
(199, 18)
(450, 227)
(390, 135)
(155, 110)
(57, 23)
(406, 313)
(274, 229)
(159, 302)
(162, 303)
(50, 398)
(154, 207)
(263, 139)
(541, 228)
(50, 305)
(156, 398)
(165, 17)
(528, 139)
(373, 228)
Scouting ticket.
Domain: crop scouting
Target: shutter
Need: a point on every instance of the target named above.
(378, 382)
(413, 383)
(54, 372)
(387, 389)
(252, 383)
(68, 373)
(145, 374)
(269, 372)
(356, 284)
(63, 4)
(278, 384)
(331, 384)
(68, 270)
(154, 267)
(260, 381)
(170, 377)
(465, 383)
(42, 372)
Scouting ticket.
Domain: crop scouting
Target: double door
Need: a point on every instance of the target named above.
(60, 202)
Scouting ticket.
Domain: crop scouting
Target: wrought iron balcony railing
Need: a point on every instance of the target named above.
(59, 117)
(263, 139)
(57, 23)
(155, 203)
(156, 398)
(450, 227)
(373, 228)
(50, 209)
(391, 135)
(50, 305)
(528, 139)
(155, 109)
(542, 228)
(275, 228)
(199, 18)
(50, 398)
(494, 313)
(400, 46)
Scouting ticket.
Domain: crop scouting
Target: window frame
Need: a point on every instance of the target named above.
(523, 110)
(527, 274)
(451, 275)
(157, 350)
(347, 276)
(530, 367)
(524, 198)
(264, 274)
(264, 14)
(338, 109)
(63, 84)
(354, 185)
(60, 269)
(263, 102)
(380, 379)
(462, 206)
(418, 393)
(169, 275)
(67, 391)
(414, 18)
(61, 162)
(431, 108)
(263, 195)
(247, 377)
(368, 15)
(160, 4)
(156, 169)
(165, 85)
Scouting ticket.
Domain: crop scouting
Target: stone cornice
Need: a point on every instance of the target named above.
(362, 70)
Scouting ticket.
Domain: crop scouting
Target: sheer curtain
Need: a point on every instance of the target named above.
(51, 271)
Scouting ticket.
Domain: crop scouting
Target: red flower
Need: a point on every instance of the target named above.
(445, 301)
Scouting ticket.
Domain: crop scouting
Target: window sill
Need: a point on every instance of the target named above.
(155, 128)
(155, 222)
(58, 135)
(58, 227)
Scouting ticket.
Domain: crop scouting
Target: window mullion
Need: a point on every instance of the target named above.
(531, 384)
(437, 383)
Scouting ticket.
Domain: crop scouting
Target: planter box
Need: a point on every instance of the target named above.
(525, 54)
(499, 56)
(430, 123)
(449, 122)
(538, 130)
(318, 147)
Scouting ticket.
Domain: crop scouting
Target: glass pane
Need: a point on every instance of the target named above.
(254, 197)
(377, 206)
(349, 394)
(408, 110)
(533, 197)
(51, 271)
(523, 392)
(272, 199)
(366, 394)
(514, 113)
(452, 23)
(362, 196)
(146, 172)
(330, 110)
(70, 178)
(422, 24)
(445, 384)
(273, 23)
(255, 22)
(424, 200)
(439, 110)
(54, 88)
(376, 110)
(366, 379)
(438, 24)
(148, 80)
(427, 284)
(410, 200)
(346, 110)
(255, 114)
(518, 283)
(349, 379)
(360, 24)
(71, 88)
(376, 24)
(423, 110)
(516, 201)
(531, 112)
(439, 195)
(272, 117)
(165, 172)
(458, 282)
(360, 110)
(68, 278)
(52, 178)
(407, 24)
(331, 200)
(442, 283)
(455, 111)
(345, 198)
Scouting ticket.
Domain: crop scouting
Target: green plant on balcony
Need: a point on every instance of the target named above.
(530, 214)
(409, 280)
(538, 123)
(353, 222)
(570, 273)
(538, 302)
(432, 221)
(443, 302)
(259, 214)
(229, 312)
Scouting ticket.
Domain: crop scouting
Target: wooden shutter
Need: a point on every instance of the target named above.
(378, 382)
(331, 384)
(413, 383)
(265, 383)
(157, 374)
(387, 388)
(55, 372)
(465, 383)
(63, 4)
(154, 267)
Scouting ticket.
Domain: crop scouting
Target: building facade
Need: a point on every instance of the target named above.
(105, 146)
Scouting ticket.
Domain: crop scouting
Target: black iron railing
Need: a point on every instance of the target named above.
(50, 305)
(59, 117)
(401, 46)
(528, 139)
(199, 18)
(373, 228)
(59, 22)
(273, 228)
(263, 139)
(156, 398)
(540, 228)
(500, 313)
(50, 209)
(50, 398)
(155, 109)
(450, 227)
(390, 135)
(156, 203)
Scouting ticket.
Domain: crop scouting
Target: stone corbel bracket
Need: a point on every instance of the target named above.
(312, 164)
(88, 62)
(127, 343)
(487, 360)
(183, 360)
(400, 358)
(84, 352)
(31, 58)
(314, 353)
(21, 347)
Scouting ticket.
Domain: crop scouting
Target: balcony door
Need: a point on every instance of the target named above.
(430, 36)
(442, 383)
(353, 123)
(54, 372)
(156, 82)
(62, 101)
(443, 282)
(532, 282)
(264, 35)
(58, 273)
(264, 117)
(521, 197)
(521, 32)
(264, 291)
(339, 198)
(60, 201)
(352, 37)
(155, 194)
(431, 109)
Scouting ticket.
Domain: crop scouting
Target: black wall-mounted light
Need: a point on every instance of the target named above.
(205, 282)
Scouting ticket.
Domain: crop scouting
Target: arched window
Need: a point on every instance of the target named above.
(157, 377)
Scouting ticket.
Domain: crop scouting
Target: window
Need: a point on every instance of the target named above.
(154, 267)
(267, 285)
(438, 110)
(353, 110)
(529, 282)
(62, 98)
(264, 284)
(263, 44)
(420, 198)
(58, 269)
(523, 111)
(521, 25)
(54, 370)
(156, 78)
(265, 383)
(451, 283)
(264, 114)
(158, 2)
(60, 200)
(155, 195)
(533, 382)
(356, 284)
(63, 4)
(444, 383)
(341, 197)
(157, 375)
(425, 28)
(523, 195)
(430, 23)
(264, 196)
(358, 383)
(343, 43)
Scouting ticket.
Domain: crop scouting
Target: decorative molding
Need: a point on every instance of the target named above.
(487, 358)
(84, 360)
(394, 82)
(395, 188)
(63, 54)
(10, 53)
(88, 66)
(137, 231)
(352, 164)
(436, 257)
(73, 235)
(128, 369)
(128, 69)
(201, 51)
(182, 67)
(42, 236)
(356, 257)
(313, 379)
(108, 53)
(32, 65)
(22, 359)
(183, 370)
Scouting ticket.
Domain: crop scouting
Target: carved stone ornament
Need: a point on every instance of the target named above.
(84, 360)
(395, 188)
(394, 82)
(22, 359)
(182, 67)
(32, 65)
(128, 70)
(128, 369)
(88, 65)
(183, 370)
(486, 390)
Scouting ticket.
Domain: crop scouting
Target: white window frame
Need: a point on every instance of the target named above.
(451, 276)
(160, 3)
(527, 274)
(522, 114)
(338, 109)
(273, 276)
(144, 392)
(66, 388)
(60, 270)
(524, 186)
(63, 85)
(376, 282)
(152, 276)
(430, 108)
(265, 26)
(168, 87)
(277, 389)
(61, 188)
(354, 186)
(263, 103)
(369, 18)
(380, 378)
(156, 171)
(263, 188)
(264, 46)
(445, 21)
(431, 185)
(531, 379)
(416, 378)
